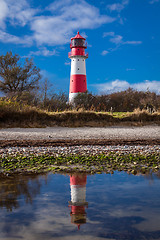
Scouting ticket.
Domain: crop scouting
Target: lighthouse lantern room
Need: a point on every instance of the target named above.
(78, 83)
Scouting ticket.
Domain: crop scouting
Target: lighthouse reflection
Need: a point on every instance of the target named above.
(78, 199)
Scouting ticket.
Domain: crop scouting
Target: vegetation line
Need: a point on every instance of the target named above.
(16, 114)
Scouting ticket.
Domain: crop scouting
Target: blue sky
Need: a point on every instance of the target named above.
(123, 39)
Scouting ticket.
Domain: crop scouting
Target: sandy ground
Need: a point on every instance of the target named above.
(84, 133)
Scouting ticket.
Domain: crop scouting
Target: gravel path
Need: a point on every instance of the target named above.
(54, 133)
(85, 140)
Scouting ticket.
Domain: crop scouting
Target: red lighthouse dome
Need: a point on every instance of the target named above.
(78, 83)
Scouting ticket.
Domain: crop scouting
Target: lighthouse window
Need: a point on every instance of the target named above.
(78, 42)
(78, 68)
(72, 80)
(78, 59)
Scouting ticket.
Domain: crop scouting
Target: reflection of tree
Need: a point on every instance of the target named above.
(12, 188)
(151, 176)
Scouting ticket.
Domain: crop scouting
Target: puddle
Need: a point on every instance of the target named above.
(100, 206)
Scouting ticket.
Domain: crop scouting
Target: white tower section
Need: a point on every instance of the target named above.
(78, 194)
(78, 65)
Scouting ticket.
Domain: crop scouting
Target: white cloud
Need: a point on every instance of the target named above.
(132, 42)
(53, 25)
(58, 4)
(118, 39)
(67, 63)
(153, 1)
(130, 69)
(65, 19)
(120, 19)
(115, 7)
(104, 52)
(3, 12)
(43, 52)
(121, 85)
(16, 12)
(105, 34)
(9, 38)
(118, 6)
(84, 34)
(114, 86)
(147, 84)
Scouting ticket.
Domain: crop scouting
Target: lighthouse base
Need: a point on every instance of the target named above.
(72, 97)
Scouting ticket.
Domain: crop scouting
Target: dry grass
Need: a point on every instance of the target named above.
(142, 116)
(14, 114)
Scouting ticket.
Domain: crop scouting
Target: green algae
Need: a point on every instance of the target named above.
(110, 162)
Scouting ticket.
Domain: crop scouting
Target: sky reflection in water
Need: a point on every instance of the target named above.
(118, 206)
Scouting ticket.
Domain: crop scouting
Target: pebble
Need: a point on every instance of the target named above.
(80, 149)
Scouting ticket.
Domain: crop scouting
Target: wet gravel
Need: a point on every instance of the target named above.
(78, 150)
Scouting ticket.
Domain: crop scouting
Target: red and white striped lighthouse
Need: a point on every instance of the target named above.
(78, 83)
(78, 199)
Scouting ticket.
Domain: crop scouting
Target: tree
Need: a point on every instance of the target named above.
(84, 100)
(58, 102)
(15, 77)
(45, 90)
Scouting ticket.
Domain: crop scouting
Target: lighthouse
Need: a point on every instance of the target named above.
(78, 199)
(78, 83)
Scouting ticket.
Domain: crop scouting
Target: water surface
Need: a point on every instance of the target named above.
(118, 206)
